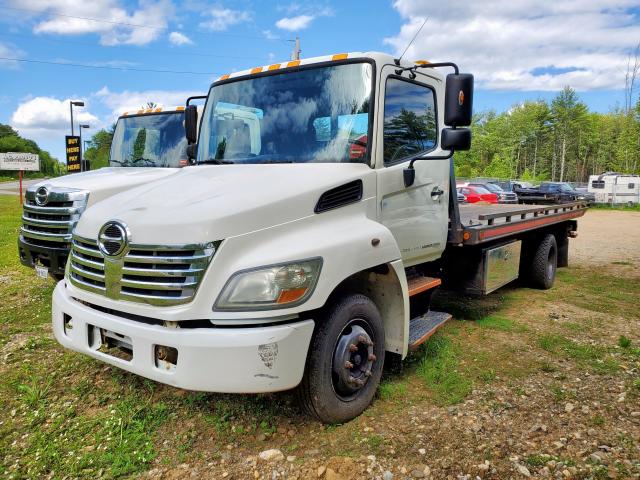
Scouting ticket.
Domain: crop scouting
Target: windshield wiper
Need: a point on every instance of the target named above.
(214, 161)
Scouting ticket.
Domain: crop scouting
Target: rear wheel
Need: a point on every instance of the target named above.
(345, 361)
(544, 263)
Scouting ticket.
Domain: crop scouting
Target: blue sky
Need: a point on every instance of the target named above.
(518, 51)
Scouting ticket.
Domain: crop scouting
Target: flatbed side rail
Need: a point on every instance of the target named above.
(531, 211)
(509, 223)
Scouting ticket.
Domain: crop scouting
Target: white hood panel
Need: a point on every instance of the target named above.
(105, 182)
(212, 202)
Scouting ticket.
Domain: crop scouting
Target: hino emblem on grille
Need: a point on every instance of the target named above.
(113, 239)
(42, 196)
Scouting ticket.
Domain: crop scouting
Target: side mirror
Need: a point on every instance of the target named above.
(455, 139)
(191, 124)
(458, 100)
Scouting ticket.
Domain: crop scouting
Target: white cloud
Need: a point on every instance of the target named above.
(524, 45)
(178, 38)
(294, 24)
(223, 18)
(107, 18)
(119, 102)
(49, 116)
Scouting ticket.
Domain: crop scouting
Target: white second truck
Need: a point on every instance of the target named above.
(147, 145)
(303, 247)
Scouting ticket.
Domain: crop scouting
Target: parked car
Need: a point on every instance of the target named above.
(503, 196)
(478, 194)
(461, 197)
(510, 185)
(553, 192)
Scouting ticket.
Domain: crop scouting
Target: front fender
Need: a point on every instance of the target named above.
(347, 240)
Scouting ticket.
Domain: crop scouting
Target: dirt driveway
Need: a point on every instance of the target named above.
(605, 237)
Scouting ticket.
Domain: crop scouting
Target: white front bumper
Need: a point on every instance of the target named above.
(232, 360)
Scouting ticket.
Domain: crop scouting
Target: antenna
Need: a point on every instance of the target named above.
(295, 54)
(412, 40)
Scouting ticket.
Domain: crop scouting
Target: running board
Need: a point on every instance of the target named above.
(422, 284)
(422, 327)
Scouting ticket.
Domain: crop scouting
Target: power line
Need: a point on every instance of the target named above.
(133, 49)
(105, 67)
(126, 24)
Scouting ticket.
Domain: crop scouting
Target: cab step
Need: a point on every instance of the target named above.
(422, 327)
(421, 284)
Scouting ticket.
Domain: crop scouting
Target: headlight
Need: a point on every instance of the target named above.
(276, 286)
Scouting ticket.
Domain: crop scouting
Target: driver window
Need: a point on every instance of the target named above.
(409, 120)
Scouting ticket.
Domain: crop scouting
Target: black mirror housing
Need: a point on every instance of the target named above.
(458, 100)
(455, 139)
(191, 123)
(192, 151)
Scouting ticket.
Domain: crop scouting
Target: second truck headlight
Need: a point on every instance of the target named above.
(275, 286)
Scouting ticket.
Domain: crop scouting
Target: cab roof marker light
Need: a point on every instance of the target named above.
(179, 109)
(422, 62)
(275, 66)
(225, 76)
(293, 63)
(158, 110)
(340, 56)
(256, 70)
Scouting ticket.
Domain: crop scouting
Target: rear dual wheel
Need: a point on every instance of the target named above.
(345, 361)
(544, 263)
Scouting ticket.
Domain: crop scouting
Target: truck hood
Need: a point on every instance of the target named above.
(105, 182)
(212, 202)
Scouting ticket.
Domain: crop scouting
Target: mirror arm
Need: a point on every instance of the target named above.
(413, 68)
(409, 173)
(196, 97)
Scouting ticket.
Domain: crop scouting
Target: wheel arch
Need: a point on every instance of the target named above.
(386, 286)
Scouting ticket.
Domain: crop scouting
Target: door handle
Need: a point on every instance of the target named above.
(436, 192)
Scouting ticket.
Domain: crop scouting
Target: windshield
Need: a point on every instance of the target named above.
(311, 115)
(156, 140)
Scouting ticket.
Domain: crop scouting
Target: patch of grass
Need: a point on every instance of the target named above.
(593, 356)
(389, 390)
(597, 421)
(440, 370)
(494, 322)
(537, 460)
(624, 342)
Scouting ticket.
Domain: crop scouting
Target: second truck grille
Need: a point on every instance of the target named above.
(158, 275)
(51, 224)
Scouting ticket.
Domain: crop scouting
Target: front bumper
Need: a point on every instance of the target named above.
(55, 259)
(230, 360)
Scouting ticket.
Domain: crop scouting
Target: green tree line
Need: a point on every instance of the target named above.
(560, 140)
(11, 141)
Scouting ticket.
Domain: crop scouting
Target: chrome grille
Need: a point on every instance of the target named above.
(153, 274)
(51, 224)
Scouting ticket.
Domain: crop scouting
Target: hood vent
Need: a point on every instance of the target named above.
(340, 196)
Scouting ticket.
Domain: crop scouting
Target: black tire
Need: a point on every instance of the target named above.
(323, 393)
(544, 263)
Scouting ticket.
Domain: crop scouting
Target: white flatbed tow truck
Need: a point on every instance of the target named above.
(303, 247)
(52, 208)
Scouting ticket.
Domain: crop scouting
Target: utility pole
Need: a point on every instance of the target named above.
(295, 55)
(73, 103)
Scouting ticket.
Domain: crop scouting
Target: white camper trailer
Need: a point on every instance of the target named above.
(615, 188)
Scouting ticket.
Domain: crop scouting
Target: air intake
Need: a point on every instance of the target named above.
(340, 196)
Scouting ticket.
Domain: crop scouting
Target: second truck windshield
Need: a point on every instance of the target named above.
(151, 140)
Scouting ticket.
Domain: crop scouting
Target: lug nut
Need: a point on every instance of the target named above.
(348, 364)
(353, 347)
(363, 339)
(367, 373)
(372, 357)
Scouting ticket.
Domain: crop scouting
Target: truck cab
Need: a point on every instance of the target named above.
(147, 145)
(285, 257)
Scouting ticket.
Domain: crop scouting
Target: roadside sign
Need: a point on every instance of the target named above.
(19, 161)
(73, 153)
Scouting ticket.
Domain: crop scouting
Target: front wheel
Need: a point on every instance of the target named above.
(345, 361)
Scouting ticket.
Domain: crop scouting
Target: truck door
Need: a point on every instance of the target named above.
(418, 215)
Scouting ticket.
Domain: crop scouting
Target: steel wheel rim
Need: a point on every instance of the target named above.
(353, 359)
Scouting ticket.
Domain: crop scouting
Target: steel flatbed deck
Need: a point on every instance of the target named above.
(484, 223)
